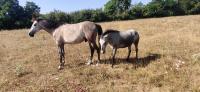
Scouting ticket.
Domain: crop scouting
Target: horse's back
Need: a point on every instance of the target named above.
(76, 33)
(69, 33)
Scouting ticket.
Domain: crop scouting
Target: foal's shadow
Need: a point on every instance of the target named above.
(141, 62)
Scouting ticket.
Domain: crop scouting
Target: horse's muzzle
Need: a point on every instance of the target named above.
(31, 35)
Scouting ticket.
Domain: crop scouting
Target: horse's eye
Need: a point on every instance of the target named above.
(34, 24)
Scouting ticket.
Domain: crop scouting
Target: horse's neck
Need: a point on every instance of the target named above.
(50, 31)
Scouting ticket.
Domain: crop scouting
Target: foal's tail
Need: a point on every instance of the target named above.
(100, 31)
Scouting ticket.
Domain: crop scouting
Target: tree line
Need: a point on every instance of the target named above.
(13, 16)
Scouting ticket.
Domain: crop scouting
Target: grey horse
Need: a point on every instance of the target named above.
(119, 39)
(69, 34)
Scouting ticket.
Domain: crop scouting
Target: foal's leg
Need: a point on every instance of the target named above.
(91, 54)
(129, 52)
(136, 49)
(98, 51)
(113, 56)
(62, 56)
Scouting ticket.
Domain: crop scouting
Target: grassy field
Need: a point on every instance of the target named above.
(169, 60)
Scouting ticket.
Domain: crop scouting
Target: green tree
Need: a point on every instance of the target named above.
(171, 8)
(98, 15)
(10, 14)
(154, 9)
(136, 11)
(117, 7)
(188, 5)
(29, 9)
(58, 17)
(160, 8)
(195, 9)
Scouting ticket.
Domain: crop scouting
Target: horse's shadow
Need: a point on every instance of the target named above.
(141, 62)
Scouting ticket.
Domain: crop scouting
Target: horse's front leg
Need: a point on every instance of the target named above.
(98, 51)
(91, 54)
(62, 56)
(113, 56)
(129, 52)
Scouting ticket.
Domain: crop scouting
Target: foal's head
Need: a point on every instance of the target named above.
(104, 39)
(103, 42)
(40, 24)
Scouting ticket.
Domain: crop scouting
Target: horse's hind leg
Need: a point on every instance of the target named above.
(129, 52)
(136, 49)
(91, 54)
(62, 56)
(98, 51)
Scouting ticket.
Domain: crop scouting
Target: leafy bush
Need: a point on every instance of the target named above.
(12, 15)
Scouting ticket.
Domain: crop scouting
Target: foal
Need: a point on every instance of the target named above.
(119, 39)
(69, 34)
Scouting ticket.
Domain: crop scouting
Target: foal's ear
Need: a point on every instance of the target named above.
(105, 36)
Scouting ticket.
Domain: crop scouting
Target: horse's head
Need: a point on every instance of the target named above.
(103, 42)
(42, 24)
(36, 26)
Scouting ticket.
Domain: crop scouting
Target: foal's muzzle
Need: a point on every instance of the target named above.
(102, 52)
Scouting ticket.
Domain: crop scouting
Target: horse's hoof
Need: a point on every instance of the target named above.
(97, 64)
(89, 62)
(60, 67)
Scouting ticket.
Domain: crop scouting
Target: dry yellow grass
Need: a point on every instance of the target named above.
(169, 52)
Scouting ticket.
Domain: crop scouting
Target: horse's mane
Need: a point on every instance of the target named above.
(110, 31)
(50, 24)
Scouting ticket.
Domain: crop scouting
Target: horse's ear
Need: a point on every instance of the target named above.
(34, 17)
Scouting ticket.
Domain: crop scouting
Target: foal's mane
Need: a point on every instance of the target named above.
(110, 31)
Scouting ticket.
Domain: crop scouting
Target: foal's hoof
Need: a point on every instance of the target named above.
(88, 63)
(60, 67)
(112, 66)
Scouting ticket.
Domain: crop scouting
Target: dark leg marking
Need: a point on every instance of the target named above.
(129, 52)
(113, 56)
(91, 54)
(98, 50)
(62, 56)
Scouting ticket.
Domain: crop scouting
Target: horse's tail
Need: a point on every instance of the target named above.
(99, 31)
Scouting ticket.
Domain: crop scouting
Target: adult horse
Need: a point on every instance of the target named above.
(69, 34)
(119, 39)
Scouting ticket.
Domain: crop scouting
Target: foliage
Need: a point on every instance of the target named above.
(30, 9)
(136, 11)
(74, 17)
(195, 9)
(117, 9)
(12, 15)
(58, 16)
